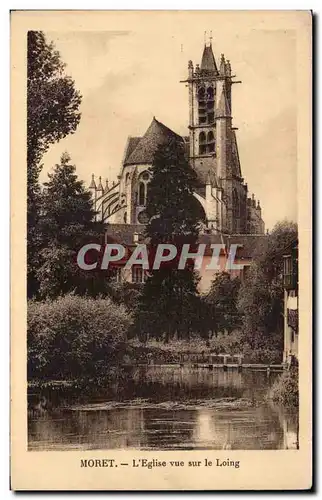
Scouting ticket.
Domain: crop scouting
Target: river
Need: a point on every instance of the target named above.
(168, 407)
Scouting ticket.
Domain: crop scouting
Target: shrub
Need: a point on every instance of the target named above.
(73, 337)
(285, 389)
(126, 293)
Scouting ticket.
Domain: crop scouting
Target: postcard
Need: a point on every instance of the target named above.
(161, 333)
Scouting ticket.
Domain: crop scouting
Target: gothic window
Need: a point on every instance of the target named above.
(202, 106)
(210, 94)
(142, 193)
(202, 137)
(143, 188)
(202, 143)
(210, 137)
(125, 218)
(211, 118)
(127, 177)
(210, 142)
(206, 143)
(201, 93)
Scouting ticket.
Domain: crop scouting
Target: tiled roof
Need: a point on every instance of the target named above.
(249, 244)
(130, 147)
(123, 233)
(146, 146)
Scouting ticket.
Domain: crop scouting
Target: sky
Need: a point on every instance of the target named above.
(128, 76)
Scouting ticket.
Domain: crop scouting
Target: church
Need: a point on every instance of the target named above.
(211, 147)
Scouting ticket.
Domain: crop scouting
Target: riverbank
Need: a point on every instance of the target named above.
(285, 390)
(172, 352)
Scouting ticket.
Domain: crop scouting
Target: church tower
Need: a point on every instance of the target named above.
(212, 142)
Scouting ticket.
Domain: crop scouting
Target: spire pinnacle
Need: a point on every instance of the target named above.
(92, 184)
(222, 67)
(100, 187)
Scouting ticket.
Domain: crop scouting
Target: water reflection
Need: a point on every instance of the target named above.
(166, 408)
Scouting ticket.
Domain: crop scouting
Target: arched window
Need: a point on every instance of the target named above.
(127, 177)
(210, 137)
(202, 137)
(144, 179)
(201, 93)
(210, 142)
(202, 106)
(141, 193)
(202, 143)
(145, 176)
(207, 143)
(210, 94)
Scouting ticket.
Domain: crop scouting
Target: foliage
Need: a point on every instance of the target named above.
(260, 300)
(285, 390)
(170, 295)
(173, 212)
(232, 343)
(75, 337)
(52, 113)
(280, 239)
(67, 223)
(222, 303)
(52, 100)
(126, 293)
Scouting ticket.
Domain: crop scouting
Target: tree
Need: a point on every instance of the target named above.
(260, 299)
(169, 294)
(52, 113)
(222, 303)
(67, 223)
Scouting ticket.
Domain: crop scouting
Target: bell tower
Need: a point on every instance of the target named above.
(212, 143)
(202, 106)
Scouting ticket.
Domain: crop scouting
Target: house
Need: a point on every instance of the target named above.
(291, 300)
(132, 235)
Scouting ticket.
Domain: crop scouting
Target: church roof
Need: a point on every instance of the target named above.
(208, 62)
(144, 148)
(130, 147)
(124, 233)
